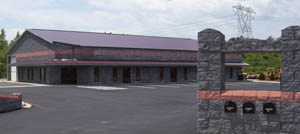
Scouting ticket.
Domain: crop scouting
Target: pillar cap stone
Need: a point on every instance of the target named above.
(291, 33)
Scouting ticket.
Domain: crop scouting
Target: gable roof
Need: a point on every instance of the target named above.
(91, 39)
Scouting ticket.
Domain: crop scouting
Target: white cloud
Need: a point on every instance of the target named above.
(153, 17)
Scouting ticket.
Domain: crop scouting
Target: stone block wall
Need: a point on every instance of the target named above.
(215, 116)
(212, 117)
(290, 59)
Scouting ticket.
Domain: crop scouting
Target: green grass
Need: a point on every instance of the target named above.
(259, 62)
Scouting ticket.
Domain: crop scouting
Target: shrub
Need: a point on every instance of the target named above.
(261, 77)
(272, 77)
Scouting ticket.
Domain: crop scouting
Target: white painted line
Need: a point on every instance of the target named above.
(142, 87)
(185, 85)
(21, 86)
(37, 105)
(165, 86)
(104, 122)
(40, 85)
(102, 87)
(15, 86)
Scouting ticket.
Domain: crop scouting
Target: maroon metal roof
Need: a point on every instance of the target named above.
(115, 40)
(105, 63)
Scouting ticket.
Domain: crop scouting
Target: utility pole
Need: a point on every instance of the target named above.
(245, 17)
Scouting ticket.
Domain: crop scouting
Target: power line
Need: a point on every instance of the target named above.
(183, 26)
(219, 22)
(277, 19)
(199, 27)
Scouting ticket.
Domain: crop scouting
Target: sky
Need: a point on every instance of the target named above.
(169, 18)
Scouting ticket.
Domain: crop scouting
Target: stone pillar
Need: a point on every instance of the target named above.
(290, 79)
(210, 78)
(210, 60)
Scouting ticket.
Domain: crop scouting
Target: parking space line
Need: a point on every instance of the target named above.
(16, 86)
(185, 85)
(165, 86)
(102, 87)
(142, 87)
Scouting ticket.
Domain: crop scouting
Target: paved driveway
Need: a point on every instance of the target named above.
(124, 109)
(132, 110)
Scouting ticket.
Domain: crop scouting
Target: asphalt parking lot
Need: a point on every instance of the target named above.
(253, 85)
(122, 109)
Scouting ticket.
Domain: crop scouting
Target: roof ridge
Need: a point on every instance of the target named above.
(110, 33)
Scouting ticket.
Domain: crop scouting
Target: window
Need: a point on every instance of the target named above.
(231, 72)
(161, 74)
(28, 73)
(96, 74)
(185, 74)
(115, 74)
(9, 60)
(41, 74)
(138, 74)
(19, 73)
(44, 73)
(12, 60)
(22, 73)
(31, 73)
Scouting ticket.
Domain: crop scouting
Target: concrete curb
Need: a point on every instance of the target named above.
(263, 81)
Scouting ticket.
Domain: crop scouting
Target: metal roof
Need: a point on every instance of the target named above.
(91, 39)
(104, 63)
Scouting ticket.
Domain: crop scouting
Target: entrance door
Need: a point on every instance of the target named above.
(69, 75)
(13, 73)
(173, 74)
(126, 75)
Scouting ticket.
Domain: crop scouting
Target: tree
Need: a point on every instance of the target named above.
(262, 76)
(235, 39)
(3, 41)
(270, 38)
(15, 39)
(272, 77)
(3, 50)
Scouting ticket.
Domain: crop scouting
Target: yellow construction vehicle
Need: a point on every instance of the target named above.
(270, 71)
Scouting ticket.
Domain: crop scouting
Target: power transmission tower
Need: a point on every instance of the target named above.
(245, 17)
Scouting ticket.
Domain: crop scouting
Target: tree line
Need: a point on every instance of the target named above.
(4, 46)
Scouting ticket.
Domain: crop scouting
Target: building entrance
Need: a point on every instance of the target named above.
(173, 74)
(126, 75)
(69, 75)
